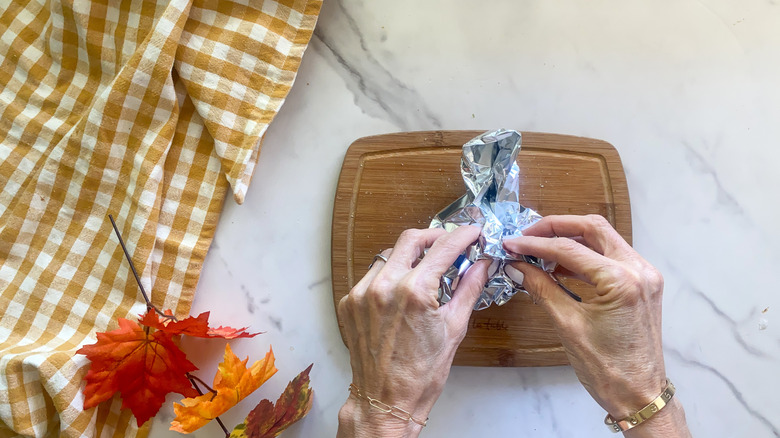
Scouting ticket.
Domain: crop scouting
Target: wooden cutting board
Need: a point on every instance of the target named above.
(392, 182)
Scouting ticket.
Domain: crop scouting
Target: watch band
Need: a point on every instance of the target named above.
(643, 414)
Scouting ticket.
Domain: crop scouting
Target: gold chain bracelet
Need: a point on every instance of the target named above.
(643, 414)
(395, 411)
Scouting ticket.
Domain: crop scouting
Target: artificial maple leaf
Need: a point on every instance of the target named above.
(267, 420)
(232, 383)
(230, 333)
(194, 326)
(142, 367)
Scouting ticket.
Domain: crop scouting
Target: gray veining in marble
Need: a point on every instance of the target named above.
(375, 89)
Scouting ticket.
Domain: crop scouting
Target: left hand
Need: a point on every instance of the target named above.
(401, 342)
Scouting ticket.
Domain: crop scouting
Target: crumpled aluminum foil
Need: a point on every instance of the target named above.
(492, 176)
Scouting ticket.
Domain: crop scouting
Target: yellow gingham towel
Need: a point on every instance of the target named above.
(145, 110)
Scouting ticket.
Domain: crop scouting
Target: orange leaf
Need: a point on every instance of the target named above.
(232, 383)
(194, 326)
(144, 368)
(267, 420)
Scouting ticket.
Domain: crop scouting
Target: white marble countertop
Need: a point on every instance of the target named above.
(688, 92)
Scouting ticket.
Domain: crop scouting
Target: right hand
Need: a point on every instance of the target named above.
(613, 337)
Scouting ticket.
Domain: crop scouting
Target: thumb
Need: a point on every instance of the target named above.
(544, 290)
(467, 293)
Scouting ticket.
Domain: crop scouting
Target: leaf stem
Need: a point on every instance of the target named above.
(193, 379)
(149, 305)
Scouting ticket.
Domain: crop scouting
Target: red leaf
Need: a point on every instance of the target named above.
(192, 326)
(143, 367)
(268, 421)
(261, 419)
(230, 333)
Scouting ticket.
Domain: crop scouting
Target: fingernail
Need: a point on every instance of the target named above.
(514, 274)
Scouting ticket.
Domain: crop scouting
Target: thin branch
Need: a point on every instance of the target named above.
(222, 425)
(197, 388)
(149, 304)
(192, 376)
(130, 260)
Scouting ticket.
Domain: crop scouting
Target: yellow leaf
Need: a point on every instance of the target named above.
(239, 431)
(232, 384)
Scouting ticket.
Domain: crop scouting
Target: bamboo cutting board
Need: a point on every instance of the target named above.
(392, 182)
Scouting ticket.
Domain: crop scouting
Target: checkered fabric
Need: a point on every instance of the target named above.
(148, 111)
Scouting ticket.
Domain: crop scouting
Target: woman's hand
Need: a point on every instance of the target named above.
(401, 342)
(613, 337)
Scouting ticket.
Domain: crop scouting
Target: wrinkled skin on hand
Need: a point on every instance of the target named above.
(401, 341)
(613, 337)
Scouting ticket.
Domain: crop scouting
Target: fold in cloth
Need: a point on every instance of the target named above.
(145, 110)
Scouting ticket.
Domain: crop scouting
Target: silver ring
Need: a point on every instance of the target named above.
(377, 257)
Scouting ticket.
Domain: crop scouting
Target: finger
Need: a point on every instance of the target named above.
(360, 287)
(466, 294)
(560, 271)
(341, 309)
(546, 292)
(411, 244)
(558, 276)
(446, 249)
(595, 231)
(571, 255)
(380, 261)
(356, 343)
(347, 319)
